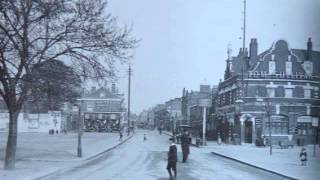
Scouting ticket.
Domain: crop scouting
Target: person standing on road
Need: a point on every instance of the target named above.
(185, 145)
(303, 157)
(172, 161)
(121, 135)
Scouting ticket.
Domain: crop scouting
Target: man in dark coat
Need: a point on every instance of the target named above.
(303, 157)
(120, 135)
(185, 145)
(172, 160)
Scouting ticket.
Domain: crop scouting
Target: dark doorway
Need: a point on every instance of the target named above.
(248, 131)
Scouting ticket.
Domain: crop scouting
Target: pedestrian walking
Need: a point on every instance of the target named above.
(303, 156)
(144, 137)
(172, 161)
(264, 140)
(121, 135)
(185, 145)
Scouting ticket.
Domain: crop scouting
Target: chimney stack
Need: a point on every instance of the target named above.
(240, 52)
(113, 88)
(253, 48)
(309, 49)
(245, 52)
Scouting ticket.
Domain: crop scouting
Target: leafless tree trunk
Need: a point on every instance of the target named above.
(12, 139)
(79, 32)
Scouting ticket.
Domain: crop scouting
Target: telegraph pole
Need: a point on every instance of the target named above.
(244, 24)
(129, 89)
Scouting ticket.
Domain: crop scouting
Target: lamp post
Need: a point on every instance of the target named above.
(315, 124)
(169, 109)
(205, 103)
(268, 111)
(77, 109)
(238, 103)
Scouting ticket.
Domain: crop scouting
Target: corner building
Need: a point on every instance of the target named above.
(278, 88)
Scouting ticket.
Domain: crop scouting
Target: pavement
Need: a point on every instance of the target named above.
(39, 154)
(282, 161)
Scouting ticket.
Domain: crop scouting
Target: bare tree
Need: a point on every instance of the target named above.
(79, 32)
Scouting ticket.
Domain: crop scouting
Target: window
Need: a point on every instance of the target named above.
(307, 93)
(272, 67)
(308, 67)
(289, 67)
(279, 125)
(288, 93)
(280, 91)
(271, 92)
(304, 128)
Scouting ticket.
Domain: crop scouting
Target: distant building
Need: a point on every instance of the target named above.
(161, 116)
(281, 83)
(173, 106)
(103, 109)
(196, 113)
(191, 99)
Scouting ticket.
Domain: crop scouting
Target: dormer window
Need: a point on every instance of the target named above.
(308, 67)
(272, 67)
(289, 67)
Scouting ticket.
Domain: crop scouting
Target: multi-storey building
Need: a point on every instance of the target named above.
(191, 99)
(173, 107)
(103, 109)
(196, 116)
(276, 89)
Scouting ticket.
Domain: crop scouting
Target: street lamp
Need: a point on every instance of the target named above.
(169, 109)
(205, 103)
(238, 104)
(268, 111)
(315, 124)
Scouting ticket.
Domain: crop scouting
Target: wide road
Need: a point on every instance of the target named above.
(146, 160)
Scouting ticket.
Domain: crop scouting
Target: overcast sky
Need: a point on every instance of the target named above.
(184, 42)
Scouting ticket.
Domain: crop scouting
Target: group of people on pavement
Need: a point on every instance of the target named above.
(185, 140)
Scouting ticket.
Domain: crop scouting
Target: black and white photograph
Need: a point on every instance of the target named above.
(159, 89)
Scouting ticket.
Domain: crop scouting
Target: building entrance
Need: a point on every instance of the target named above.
(248, 131)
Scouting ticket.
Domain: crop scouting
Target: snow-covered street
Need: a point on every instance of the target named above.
(138, 159)
(40, 153)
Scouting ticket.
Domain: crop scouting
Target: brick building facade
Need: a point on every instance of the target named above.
(103, 110)
(280, 84)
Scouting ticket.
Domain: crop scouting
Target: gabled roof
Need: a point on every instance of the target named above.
(102, 93)
(315, 56)
(299, 54)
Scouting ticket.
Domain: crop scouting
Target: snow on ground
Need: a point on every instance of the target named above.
(138, 159)
(41, 153)
(284, 161)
